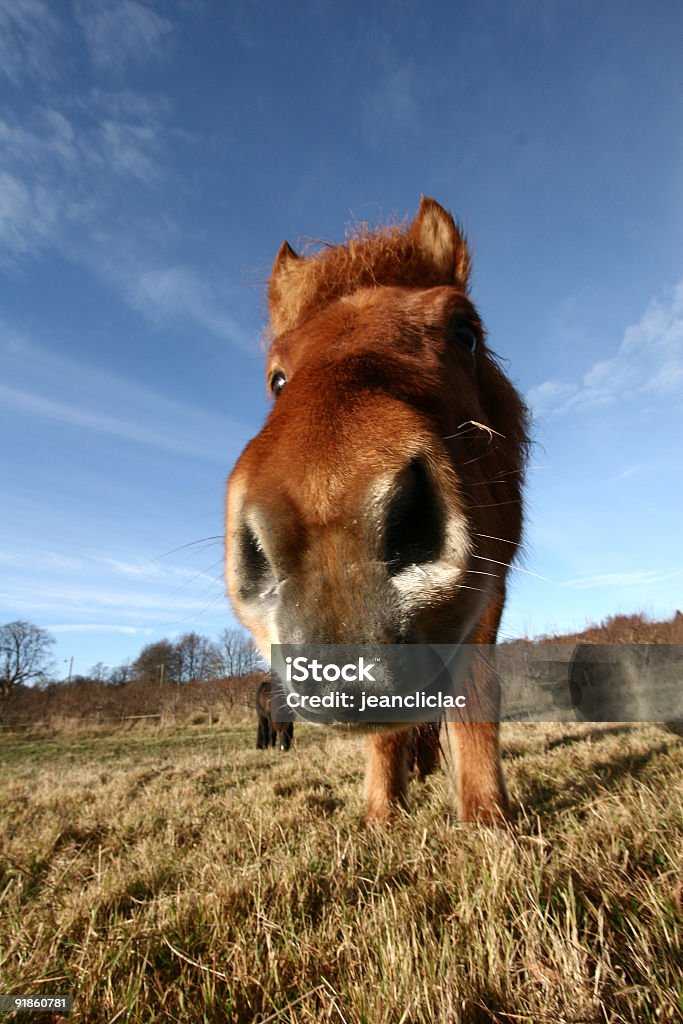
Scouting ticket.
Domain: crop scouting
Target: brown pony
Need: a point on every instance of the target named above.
(382, 500)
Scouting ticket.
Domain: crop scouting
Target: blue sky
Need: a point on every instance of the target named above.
(152, 158)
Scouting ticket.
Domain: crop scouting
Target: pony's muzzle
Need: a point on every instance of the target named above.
(396, 548)
(403, 526)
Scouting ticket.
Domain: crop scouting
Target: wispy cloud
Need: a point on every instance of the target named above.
(131, 149)
(104, 592)
(50, 136)
(177, 293)
(96, 627)
(390, 107)
(649, 362)
(550, 396)
(48, 559)
(392, 103)
(29, 37)
(39, 405)
(102, 403)
(92, 600)
(150, 571)
(70, 166)
(29, 215)
(635, 578)
(118, 135)
(58, 174)
(115, 570)
(123, 32)
(635, 470)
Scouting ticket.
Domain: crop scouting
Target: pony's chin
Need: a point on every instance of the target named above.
(369, 728)
(360, 728)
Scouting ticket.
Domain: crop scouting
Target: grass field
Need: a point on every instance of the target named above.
(184, 876)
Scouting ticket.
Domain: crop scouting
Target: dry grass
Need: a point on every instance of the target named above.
(184, 876)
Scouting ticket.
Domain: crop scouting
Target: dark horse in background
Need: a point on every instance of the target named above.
(270, 733)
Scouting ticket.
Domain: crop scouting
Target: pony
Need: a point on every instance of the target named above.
(270, 733)
(382, 500)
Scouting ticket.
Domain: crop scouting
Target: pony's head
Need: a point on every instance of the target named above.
(381, 501)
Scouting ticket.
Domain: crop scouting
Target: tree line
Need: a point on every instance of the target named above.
(26, 660)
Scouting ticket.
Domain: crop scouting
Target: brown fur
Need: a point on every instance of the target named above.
(382, 400)
(424, 749)
(424, 256)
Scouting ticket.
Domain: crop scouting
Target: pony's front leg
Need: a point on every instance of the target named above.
(479, 783)
(386, 779)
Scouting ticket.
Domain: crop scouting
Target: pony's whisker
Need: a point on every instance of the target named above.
(497, 504)
(503, 540)
(206, 541)
(517, 568)
(477, 458)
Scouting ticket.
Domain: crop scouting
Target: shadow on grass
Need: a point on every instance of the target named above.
(570, 739)
(546, 795)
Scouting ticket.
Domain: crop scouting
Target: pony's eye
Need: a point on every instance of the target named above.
(466, 338)
(277, 382)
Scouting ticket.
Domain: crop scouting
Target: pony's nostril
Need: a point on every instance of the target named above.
(255, 568)
(414, 525)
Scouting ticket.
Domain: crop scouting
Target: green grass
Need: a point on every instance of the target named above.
(184, 876)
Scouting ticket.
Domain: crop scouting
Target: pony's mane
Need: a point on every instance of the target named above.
(389, 255)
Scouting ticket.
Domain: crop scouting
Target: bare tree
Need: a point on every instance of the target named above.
(198, 657)
(24, 655)
(120, 674)
(156, 662)
(99, 672)
(238, 655)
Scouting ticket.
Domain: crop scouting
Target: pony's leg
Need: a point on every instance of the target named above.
(480, 788)
(475, 746)
(425, 747)
(386, 779)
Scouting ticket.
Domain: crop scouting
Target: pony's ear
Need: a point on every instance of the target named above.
(283, 288)
(440, 238)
